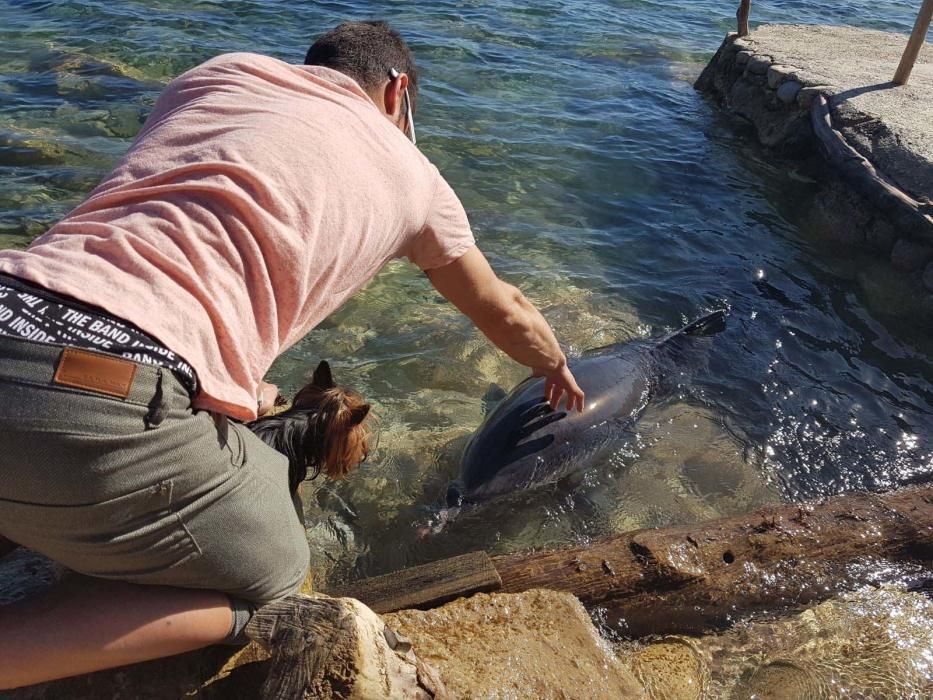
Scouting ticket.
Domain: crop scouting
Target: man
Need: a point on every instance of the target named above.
(256, 199)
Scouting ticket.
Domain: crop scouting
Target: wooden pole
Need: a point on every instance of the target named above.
(917, 37)
(742, 16)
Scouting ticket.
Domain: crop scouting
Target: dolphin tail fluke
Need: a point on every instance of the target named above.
(682, 352)
(710, 324)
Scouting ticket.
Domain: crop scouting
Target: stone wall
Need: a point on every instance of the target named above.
(777, 100)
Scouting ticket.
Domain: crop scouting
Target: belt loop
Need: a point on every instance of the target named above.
(158, 408)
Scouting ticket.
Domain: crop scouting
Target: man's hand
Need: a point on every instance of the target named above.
(557, 382)
(265, 398)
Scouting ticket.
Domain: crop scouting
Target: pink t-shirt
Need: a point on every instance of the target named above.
(257, 198)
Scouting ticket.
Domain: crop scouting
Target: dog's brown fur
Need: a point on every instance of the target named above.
(324, 430)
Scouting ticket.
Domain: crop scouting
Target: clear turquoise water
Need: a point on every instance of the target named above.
(598, 181)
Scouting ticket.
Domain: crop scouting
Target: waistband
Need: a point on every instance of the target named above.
(38, 363)
(31, 312)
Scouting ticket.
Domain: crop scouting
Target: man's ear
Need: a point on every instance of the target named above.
(392, 96)
(322, 377)
(358, 414)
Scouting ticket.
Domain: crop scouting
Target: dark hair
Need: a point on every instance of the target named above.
(366, 51)
(322, 430)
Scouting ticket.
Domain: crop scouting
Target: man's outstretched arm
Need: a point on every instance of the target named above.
(509, 320)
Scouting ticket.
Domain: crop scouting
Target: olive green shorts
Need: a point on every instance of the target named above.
(142, 489)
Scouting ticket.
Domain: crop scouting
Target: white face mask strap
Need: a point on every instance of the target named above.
(410, 124)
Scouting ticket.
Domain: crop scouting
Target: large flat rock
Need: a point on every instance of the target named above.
(891, 125)
(534, 645)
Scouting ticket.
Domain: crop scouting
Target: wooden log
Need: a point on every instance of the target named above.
(741, 15)
(426, 586)
(862, 175)
(331, 649)
(914, 44)
(683, 579)
(692, 578)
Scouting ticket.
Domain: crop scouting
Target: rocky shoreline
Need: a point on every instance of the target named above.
(790, 82)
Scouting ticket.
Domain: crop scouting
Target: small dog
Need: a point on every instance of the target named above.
(323, 430)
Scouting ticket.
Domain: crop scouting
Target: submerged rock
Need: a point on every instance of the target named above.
(873, 643)
(688, 467)
(671, 669)
(27, 150)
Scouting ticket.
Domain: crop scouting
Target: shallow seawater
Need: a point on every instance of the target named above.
(870, 643)
(598, 181)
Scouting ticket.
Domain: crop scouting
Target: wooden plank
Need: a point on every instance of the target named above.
(425, 586)
(741, 16)
(914, 44)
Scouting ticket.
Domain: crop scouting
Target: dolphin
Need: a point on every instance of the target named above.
(523, 444)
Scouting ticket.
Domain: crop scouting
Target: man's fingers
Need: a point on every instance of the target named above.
(556, 384)
(556, 395)
(578, 397)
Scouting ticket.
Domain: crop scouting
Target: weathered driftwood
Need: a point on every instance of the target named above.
(427, 586)
(741, 16)
(914, 44)
(858, 171)
(686, 578)
(337, 648)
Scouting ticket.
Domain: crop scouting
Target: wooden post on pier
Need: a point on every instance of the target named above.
(742, 16)
(914, 44)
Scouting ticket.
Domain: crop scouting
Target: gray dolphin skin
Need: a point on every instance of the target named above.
(523, 444)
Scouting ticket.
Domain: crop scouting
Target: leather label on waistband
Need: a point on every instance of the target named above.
(93, 372)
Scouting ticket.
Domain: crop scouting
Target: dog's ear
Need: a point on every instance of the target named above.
(322, 378)
(358, 414)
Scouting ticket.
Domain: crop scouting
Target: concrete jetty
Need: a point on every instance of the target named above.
(826, 90)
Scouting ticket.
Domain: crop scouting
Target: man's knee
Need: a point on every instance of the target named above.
(289, 576)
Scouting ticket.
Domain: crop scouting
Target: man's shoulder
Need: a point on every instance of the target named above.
(244, 61)
(255, 66)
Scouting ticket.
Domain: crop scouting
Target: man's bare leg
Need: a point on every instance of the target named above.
(83, 625)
